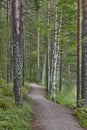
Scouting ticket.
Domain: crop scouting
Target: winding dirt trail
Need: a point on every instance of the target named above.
(49, 115)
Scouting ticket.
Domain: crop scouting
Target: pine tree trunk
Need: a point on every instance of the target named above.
(8, 47)
(11, 61)
(78, 56)
(17, 52)
(30, 66)
(22, 34)
(84, 53)
(38, 47)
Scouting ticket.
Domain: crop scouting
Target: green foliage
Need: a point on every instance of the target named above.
(4, 104)
(67, 97)
(81, 114)
(26, 90)
(38, 3)
(14, 117)
(6, 92)
(6, 89)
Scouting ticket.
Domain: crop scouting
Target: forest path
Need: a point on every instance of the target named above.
(49, 115)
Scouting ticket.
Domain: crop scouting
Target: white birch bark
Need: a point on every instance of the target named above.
(43, 73)
(60, 54)
(55, 54)
(58, 49)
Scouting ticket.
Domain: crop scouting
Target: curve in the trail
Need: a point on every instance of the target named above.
(49, 115)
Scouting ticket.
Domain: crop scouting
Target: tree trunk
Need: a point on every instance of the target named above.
(43, 72)
(11, 61)
(48, 53)
(84, 53)
(55, 54)
(30, 64)
(22, 34)
(60, 72)
(78, 55)
(8, 47)
(38, 47)
(17, 51)
(60, 38)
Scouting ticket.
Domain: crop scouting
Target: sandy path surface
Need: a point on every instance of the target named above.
(49, 115)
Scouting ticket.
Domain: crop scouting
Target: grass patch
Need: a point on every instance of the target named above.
(67, 98)
(81, 114)
(14, 117)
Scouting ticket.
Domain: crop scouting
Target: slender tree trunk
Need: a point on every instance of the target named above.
(61, 54)
(78, 55)
(48, 53)
(47, 72)
(22, 34)
(8, 46)
(84, 53)
(30, 70)
(43, 73)
(11, 61)
(51, 64)
(38, 47)
(17, 51)
(60, 73)
(55, 54)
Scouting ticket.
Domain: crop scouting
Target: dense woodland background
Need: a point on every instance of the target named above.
(66, 41)
(44, 41)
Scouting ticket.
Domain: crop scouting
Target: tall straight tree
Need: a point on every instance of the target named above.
(84, 53)
(48, 54)
(78, 54)
(9, 47)
(18, 52)
(38, 4)
(38, 46)
(55, 54)
(61, 53)
(22, 34)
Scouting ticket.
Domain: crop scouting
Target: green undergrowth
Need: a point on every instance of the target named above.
(81, 114)
(67, 97)
(14, 117)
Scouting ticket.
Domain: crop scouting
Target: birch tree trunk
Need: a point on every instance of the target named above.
(43, 73)
(55, 54)
(60, 72)
(61, 55)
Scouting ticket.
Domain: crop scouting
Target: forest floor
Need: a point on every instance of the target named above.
(49, 115)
